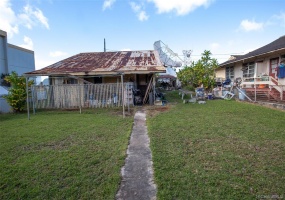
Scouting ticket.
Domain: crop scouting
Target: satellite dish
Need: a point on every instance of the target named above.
(167, 56)
(187, 57)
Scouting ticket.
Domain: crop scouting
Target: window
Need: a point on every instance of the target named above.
(230, 72)
(248, 70)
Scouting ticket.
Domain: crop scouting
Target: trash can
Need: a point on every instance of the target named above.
(241, 95)
(210, 96)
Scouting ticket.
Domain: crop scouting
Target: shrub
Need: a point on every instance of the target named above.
(17, 93)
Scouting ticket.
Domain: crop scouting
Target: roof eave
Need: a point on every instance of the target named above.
(94, 73)
(246, 58)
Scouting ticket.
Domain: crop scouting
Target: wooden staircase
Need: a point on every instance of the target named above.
(265, 94)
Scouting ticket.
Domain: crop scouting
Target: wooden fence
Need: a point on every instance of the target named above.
(79, 96)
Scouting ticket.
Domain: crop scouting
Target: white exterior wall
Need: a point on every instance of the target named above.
(3, 53)
(262, 68)
(221, 73)
(20, 60)
(238, 71)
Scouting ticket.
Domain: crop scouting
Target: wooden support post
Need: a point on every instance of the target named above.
(79, 97)
(123, 96)
(27, 91)
(128, 97)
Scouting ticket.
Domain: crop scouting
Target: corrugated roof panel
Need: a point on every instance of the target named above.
(108, 62)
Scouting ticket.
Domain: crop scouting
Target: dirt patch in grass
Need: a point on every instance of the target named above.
(127, 113)
(155, 110)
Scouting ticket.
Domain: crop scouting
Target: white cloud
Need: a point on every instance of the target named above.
(32, 16)
(29, 17)
(142, 16)
(181, 7)
(280, 18)
(247, 25)
(135, 7)
(108, 4)
(214, 46)
(8, 19)
(57, 54)
(40, 16)
(138, 9)
(28, 43)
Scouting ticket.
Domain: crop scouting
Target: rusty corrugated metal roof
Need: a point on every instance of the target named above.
(97, 63)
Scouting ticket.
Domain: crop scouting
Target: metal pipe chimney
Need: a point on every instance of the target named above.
(104, 45)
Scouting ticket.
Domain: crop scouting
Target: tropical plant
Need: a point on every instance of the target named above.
(17, 93)
(2, 80)
(199, 73)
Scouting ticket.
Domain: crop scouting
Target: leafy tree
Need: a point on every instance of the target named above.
(199, 73)
(17, 93)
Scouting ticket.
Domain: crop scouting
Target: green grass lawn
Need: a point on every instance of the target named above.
(219, 150)
(62, 154)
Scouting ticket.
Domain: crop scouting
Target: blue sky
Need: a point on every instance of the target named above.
(57, 29)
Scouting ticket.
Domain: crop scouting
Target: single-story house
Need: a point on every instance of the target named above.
(261, 73)
(102, 72)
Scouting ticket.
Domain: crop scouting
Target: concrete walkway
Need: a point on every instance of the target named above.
(137, 174)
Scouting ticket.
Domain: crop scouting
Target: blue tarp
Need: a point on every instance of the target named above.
(281, 71)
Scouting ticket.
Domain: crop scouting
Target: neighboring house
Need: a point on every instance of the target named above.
(261, 73)
(105, 70)
(13, 58)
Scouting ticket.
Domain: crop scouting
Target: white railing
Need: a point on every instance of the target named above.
(252, 82)
(262, 82)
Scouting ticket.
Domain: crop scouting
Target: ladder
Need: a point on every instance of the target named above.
(148, 90)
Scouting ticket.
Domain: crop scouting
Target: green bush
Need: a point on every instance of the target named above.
(17, 93)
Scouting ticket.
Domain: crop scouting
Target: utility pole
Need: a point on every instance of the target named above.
(104, 45)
